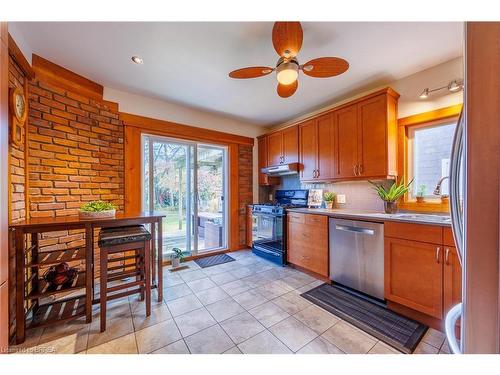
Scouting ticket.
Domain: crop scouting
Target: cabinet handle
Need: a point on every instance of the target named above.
(360, 169)
(447, 256)
(314, 174)
(438, 251)
(317, 173)
(354, 169)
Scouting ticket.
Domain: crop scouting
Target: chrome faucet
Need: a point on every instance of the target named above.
(437, 190)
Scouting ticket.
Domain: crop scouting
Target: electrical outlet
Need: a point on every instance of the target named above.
(341, 198)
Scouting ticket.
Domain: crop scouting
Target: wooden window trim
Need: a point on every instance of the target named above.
(431, 118)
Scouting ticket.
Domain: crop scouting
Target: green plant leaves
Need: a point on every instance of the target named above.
(395, 192)
(97, 206)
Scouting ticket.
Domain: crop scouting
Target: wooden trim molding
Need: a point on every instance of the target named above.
(21, 60)
(188, 132)
(435, 116)
(53, 73)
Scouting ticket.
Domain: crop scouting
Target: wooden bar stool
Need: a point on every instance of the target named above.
(133, 242)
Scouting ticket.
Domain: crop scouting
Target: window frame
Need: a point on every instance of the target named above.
(431, 118)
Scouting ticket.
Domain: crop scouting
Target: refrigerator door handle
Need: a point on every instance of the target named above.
(455, 158)
(451, 320)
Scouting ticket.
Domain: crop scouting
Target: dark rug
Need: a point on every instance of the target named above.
(396, 330)
(213, 260)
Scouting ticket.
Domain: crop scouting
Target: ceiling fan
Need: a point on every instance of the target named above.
(287, 41)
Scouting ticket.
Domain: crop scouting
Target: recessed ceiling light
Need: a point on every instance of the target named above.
(137, 60)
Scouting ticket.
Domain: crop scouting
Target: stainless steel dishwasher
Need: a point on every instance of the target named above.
(357, 255)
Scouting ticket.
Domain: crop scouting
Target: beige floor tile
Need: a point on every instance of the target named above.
(176, 291)
(250, 299)
(171, 279)
(247, 261)
(194, 321)
(224, 309)
(242, 272)
(434, 337)
(116, 327)
(183, 305)
(423, 348)
(233, 350)
(76, 327)
(32, 338)
(192, 275)
(154, 337)
(272, 290)
(211, 340)
(310, 286)
(316, 318)
(445, 347)
(122, 345)
(293, 333)
(158, 314)
(68, 344)
(269, 314)
(264, 343)
(292, 302)
(215, 270)
(383, 348)
(349, 338)
(136, 303)
(241, 327)
(294, 282)
(222, 278)
(236, 287)
(178, 347)
(201, 284)
(211, 295)
(320, 346)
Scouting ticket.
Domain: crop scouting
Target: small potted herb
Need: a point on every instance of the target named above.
(177, 257)
(97, 210)
(329, 198)
(391, 196)
(421, 193)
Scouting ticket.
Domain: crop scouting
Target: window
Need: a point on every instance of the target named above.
(429, 148)
(424, 151)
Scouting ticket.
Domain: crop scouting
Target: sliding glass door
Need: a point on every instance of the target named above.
(187, 182)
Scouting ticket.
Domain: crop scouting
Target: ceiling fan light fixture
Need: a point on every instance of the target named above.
(287, 72)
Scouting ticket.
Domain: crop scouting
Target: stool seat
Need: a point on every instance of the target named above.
(122, 235)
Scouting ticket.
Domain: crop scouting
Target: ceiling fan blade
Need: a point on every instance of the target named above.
(286, 91)
(287, 38)
(251, 72)
(324, 67)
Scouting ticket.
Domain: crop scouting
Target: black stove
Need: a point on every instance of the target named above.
(269, 224)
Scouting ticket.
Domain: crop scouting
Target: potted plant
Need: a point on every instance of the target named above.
(97, 210)
(391, 196)
(421, 193)
(329, 198)
(177, 257)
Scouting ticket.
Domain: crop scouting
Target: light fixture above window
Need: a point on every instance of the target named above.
(454, 86)
(137, 60)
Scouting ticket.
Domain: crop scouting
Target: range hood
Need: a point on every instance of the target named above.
(281, 170)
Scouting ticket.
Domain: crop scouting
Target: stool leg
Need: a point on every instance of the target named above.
(140, 267)
(147, 275)
(104, 286)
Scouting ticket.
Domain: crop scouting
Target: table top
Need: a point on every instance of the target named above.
(145, 216)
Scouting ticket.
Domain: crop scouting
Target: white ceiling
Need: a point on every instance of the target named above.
(188, 63)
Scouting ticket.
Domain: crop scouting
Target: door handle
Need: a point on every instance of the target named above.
(450, 321)
(438, 251)
(348, 228)
(446, 256)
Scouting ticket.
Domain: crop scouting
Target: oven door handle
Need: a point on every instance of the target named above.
(273, 253)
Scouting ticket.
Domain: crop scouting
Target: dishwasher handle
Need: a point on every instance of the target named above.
(348, 228)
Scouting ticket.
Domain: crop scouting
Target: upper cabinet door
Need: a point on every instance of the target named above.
(274, 149)
(308, 149)
(291, 144)
(262, 155)
(345, 123)
(326, 149)
(372, 137)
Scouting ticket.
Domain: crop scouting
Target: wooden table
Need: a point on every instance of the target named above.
(35, 226)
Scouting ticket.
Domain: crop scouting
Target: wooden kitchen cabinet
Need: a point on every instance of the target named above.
(307, 242)
(283, 146)
(365, 135)
(452, 272)
(316, 149)
(262, 145)
(414, 275)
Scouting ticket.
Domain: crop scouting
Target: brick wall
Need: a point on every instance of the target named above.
(245, 188)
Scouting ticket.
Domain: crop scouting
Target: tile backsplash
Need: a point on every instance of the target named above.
(359, 194)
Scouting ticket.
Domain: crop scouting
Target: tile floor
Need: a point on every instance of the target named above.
(246, 306)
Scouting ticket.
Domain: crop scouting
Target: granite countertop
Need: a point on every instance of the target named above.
(377, 216)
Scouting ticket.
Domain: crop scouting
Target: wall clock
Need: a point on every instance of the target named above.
(18, 109)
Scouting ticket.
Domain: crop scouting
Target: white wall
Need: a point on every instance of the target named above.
(163, 110)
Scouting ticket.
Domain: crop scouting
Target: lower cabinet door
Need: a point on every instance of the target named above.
(452, 279)
(308, 247)
(414, 275)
